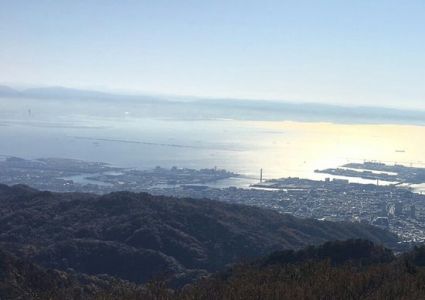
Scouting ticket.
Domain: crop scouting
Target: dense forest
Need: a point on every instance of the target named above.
(137, 236)
(353, 269)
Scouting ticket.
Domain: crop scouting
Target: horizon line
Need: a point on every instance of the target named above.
(135, 93)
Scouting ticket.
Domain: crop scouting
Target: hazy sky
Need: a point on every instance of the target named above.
(341, 51)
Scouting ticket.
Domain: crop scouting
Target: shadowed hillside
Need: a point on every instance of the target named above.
(20, 279)
(138, 236)
(353, 269)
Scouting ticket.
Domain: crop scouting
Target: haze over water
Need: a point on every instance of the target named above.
(129, 138)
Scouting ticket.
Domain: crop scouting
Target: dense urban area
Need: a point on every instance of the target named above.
(393, 207)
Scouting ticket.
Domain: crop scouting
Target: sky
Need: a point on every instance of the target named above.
(347, 52)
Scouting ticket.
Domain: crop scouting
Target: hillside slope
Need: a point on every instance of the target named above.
(21, 279)
(139, 236)
(354, 269)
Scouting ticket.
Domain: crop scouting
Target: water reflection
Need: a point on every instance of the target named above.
(281, 149)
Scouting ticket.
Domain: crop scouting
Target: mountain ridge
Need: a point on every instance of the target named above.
(253, 109)
(138, 236)
(351, 269)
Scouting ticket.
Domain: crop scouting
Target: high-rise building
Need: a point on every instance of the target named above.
(398, 208)
(412, 211)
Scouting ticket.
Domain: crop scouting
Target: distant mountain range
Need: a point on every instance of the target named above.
(239, 109)
(6, 91)
(138, 236)
(63, 93)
